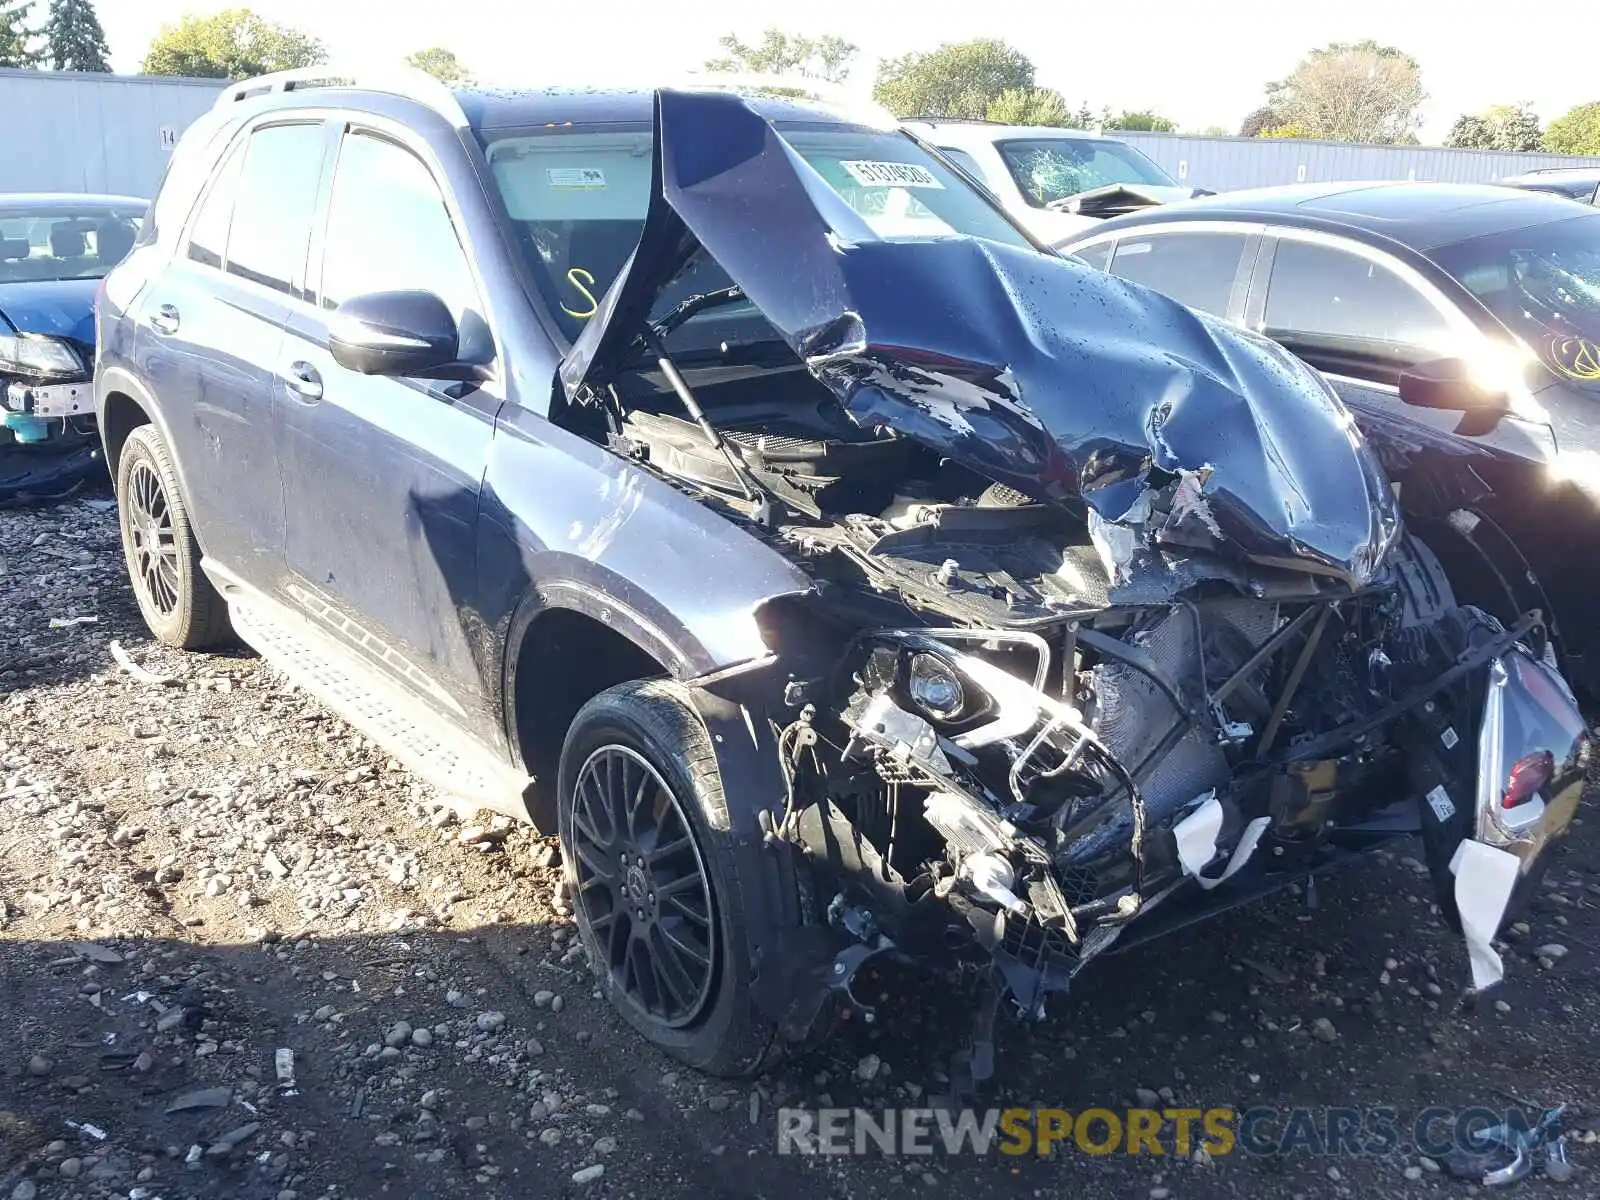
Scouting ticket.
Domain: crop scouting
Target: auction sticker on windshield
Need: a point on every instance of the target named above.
(890, 174)
(576, 177)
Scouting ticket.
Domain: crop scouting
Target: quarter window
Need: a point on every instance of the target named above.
(1097, 256)
(1331, 294)
(1196, 269)
(277, 194)
(389, 230)
(965, 161)
(208, 240)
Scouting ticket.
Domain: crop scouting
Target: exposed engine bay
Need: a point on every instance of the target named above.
(1113, 622)
(1044, 725)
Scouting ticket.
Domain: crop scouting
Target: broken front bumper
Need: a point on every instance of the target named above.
(1496, 816)
(50, 400)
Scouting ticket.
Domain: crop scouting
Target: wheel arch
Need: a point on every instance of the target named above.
(559, 655)
(124, 404)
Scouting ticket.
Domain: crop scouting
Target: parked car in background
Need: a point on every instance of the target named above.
(1054, 182)
(1575, 183)
(730, 486)
(54, 249)
(1469, 314)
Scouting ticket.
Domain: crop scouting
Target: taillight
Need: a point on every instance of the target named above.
(1528, 775)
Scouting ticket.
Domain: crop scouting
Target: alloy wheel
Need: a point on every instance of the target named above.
(642, 888)
(153, 544)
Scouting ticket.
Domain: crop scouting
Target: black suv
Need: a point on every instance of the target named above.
(727, 484)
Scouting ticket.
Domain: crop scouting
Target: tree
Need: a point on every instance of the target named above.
(1470, 132)
(1501, 127)
(75, 38)
(16, 49)
(233, 44)
(1213, 131)
(442, 64)
(1142, 121)
(828, 57)
(1352, 92)
(1578, 132)
(1029, 106)
(1265, 117)
(959, 80)
(1516, 127)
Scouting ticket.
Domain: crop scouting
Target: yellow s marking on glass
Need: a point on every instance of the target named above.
(583, 281)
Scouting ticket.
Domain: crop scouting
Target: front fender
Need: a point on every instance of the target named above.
(571, 525)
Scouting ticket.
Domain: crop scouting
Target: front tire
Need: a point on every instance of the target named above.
(177, 601)
(649, 859)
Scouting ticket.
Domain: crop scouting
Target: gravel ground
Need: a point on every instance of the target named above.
(205, 870)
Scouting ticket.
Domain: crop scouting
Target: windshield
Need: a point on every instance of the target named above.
(577, 199)
(1543, 282)
(1053, 168)
(70, 242)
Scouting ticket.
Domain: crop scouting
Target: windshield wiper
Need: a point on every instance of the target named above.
(689, 307)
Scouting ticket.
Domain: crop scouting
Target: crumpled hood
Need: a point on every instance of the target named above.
(58, 307)
(1034, 370)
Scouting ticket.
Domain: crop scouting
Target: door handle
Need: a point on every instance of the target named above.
(302, 380)
(165, 320)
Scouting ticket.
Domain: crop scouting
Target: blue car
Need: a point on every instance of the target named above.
(729, 486)
(54, 250)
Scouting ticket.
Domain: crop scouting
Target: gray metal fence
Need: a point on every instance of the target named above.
(1226, 163)
(70, 131)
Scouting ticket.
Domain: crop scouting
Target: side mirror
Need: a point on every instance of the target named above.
(394, 333)
(1450, 383)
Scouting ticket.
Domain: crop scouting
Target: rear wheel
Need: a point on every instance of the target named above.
(644, 832)
(176, 599)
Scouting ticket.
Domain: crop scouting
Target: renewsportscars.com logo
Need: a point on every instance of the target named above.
(1177, 1132)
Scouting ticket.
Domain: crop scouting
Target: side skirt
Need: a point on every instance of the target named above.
(424, 740)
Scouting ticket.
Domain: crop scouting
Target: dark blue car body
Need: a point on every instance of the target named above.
(735, 461)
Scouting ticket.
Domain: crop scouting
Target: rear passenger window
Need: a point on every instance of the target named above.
(1196, 269)
(277, 194)
(208, 240)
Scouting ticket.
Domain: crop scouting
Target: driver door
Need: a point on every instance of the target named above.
(382, 475)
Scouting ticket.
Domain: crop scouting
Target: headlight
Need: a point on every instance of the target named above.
(34, 354)
(935, 688)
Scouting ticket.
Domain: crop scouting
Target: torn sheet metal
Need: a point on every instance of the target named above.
(1485, 879)
(1505, 1154)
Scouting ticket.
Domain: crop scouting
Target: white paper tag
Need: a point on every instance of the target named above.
(575, 177)
(1439, 801)
(891, 174)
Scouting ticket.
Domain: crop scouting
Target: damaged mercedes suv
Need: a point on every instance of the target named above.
(728, 485)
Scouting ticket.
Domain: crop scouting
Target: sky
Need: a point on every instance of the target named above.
(1200, 64)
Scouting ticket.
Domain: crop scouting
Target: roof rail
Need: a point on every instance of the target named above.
(410, 82)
